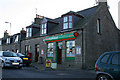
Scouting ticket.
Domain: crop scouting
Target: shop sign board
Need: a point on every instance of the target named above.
(48, 63)
(68, 36)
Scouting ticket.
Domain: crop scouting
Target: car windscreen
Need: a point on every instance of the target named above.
(9, 54)
(20, 54)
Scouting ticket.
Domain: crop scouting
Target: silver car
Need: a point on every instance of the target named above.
(10, 59)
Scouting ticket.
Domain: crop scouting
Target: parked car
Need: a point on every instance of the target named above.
(107, 66)
(1, 62)
(26, 59)
(10, 59)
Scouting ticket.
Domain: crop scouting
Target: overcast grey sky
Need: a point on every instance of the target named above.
(21, 13)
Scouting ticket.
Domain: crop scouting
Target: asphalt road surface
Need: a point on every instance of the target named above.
(31, 72)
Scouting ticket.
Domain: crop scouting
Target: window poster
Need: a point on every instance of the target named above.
(42, 52)
(70, 49)
(78, 50)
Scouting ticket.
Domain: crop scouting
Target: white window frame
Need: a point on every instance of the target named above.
(44, 28)
(16, 39)
(68, 22)
(50, 50)
(29, 32)
(70, 45)
(98, 25)
(0, 42)
(8, 41)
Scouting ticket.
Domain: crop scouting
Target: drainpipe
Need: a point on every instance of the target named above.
(83, 54)
(20, 46)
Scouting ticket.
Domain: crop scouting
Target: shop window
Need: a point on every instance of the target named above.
(67, 22)
(70, 49)
(29, 32)
(50, 50)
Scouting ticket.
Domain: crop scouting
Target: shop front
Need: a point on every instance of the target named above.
(61, 47)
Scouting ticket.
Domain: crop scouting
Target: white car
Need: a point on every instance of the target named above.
(10, 59)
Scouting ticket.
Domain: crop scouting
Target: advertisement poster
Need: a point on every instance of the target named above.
(78, 50)
(42, 52)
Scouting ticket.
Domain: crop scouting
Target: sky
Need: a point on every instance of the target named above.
(21, 13)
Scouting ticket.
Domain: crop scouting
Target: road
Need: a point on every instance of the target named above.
(31, 72)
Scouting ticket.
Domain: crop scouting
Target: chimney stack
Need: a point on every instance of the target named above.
(23, 33)
(119, 15)
(101, 2)
(6, 34)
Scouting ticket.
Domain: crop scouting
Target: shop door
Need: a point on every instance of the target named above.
(59, 53)
(36, 52)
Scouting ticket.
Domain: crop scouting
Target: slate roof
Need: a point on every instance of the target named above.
(51, 20)
(74, 13)
(33, 25)
(86, 14)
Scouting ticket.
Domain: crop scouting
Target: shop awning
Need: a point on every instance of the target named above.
(61, 37)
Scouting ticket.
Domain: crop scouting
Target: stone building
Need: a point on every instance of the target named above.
(74, 40)
(12, 42)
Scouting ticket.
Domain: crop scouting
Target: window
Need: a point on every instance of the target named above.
(17, 51)
(98, 25)
(70, 49)
(44, 28)
(16, 39)
(105, 59)
(67, 22)
(116, 59)
(29, 32)
(50, 50)
(8, 41)
(0, 42)
(27, 49)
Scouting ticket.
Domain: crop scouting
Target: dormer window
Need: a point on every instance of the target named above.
(67, 22)
(29, 32)
(98, 25)
(44, 28)
(0, 42)
(16, 39)
(8, 41)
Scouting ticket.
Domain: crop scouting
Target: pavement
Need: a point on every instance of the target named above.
(38, 66)
(42, 67)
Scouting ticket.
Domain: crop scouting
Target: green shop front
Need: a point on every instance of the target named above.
(62, 47)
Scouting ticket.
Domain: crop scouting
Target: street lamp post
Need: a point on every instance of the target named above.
(10, 26)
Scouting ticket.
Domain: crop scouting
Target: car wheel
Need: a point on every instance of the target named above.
(19, 67)
(103, 77)
(27, 65)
